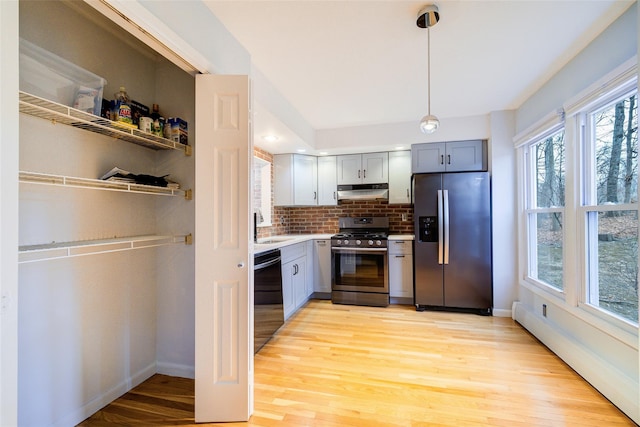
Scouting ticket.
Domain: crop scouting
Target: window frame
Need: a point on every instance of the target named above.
(529, 211)
(574, 262)
(588, 202)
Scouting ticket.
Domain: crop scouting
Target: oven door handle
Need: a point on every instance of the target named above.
(358, 249)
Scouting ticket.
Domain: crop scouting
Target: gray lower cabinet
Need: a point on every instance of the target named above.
(401, 271)
(294, 277)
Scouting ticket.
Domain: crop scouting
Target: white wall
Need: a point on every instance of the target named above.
(385, 137)
(613, 47)
(200, 29)
(606, 356)
(8, 213)
(176, 269)
(502, 165)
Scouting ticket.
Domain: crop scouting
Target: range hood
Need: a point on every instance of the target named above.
(363, 192)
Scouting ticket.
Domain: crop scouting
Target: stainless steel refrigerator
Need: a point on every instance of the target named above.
(452, 253)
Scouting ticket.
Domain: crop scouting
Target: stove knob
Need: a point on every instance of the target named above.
(346, 242)
(339, 242)
(370, 242)
(358, 242)
(378, 242)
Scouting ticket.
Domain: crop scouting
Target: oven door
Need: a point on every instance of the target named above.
(359, 270)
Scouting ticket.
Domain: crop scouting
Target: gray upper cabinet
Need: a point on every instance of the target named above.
(327, 181)
(295, 180)
(399, 177)
(368, 168)
(456, 156)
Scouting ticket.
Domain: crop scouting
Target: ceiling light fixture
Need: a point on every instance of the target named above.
(427, 18)
(270, 138)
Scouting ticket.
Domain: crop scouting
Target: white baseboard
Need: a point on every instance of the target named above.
(107, 397)
(176, 370)
(621, 390)
(501, 312)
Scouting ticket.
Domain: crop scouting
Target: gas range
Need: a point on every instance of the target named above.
(359, 257)
(361, 232)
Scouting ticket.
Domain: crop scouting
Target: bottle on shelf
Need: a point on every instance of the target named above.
(155, 112)
(157, 124)
(122, 109)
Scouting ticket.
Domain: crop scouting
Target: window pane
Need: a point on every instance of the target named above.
(547, 261)
(262, 191)
(549, 169)
(613, 245)
(615, 131)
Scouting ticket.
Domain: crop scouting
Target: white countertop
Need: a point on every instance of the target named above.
(276, 242)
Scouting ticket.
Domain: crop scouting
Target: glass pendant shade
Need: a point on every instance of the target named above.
(429, 124)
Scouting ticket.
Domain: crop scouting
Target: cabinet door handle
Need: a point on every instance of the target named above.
(442, 159)
(295, 269)
(365, 173)
(358, 173)
(407, 193)
(315, 195)
(399, 242)
(448, 159)
(399, 256)
(334, 195)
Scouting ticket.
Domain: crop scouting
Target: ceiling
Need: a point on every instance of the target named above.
(362, 63)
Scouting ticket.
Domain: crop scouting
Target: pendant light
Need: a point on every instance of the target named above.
(427, 18)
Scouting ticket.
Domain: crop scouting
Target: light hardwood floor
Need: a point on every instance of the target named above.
(339, 365)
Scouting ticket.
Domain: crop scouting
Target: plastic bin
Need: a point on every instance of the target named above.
(49, 76)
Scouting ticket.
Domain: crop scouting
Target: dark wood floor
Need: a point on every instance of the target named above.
(334, 365)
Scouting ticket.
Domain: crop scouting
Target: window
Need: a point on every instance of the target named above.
(610, 203)
(545, 182)
(262, 191)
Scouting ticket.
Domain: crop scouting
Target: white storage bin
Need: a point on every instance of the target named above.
(48, 76)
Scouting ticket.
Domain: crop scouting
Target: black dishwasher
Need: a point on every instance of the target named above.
(268, 309)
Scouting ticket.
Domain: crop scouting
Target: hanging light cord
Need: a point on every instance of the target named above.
(429, 70)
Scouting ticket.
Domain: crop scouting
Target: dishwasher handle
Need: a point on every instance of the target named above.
(266, 264)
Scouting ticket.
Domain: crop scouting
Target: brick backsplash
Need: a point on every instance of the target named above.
(324, 219)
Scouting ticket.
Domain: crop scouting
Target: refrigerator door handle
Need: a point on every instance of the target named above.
(440, 228)
(445, 203)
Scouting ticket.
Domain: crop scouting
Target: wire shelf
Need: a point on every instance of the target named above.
(56, 250)
(98, 184)
(58, 113)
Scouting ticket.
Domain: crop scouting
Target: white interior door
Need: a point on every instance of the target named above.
(224, 287)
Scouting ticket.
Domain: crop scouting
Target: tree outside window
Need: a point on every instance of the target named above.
(611, 197)
(546, 209)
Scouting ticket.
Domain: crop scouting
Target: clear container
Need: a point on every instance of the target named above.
(49, 76)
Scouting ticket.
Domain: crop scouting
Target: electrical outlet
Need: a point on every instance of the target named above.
(544, 310)
(404, 217)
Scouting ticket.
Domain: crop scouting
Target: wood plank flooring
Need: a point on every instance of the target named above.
(339, 365)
